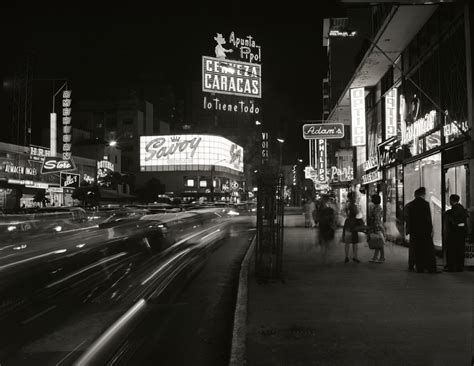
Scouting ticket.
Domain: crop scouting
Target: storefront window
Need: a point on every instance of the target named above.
(411, 180)
(391, 205)
(431, 180)
(427, 173)
(455, 183)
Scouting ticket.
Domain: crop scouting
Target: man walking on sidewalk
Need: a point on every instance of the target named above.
(420, 229)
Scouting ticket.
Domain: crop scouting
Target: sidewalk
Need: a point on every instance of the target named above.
(333, 313)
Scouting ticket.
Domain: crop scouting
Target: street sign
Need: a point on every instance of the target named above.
(54, 165)
(313, 131)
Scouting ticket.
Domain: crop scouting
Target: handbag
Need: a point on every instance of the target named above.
(376, 240)
(359, 225)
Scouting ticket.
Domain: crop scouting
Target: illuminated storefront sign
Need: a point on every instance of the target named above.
(20, 182)
(311, 173)
(358, 116)
(418, 128)
(293, 171)
(391, 113)
(69, 180)
(104, 167)
(87, 178)
(188, 152)
(231, 77)
(38, 153)
(67, 124)
(338, 33)
(265, 152)
(37, 185)
(371, 177)
(54, 165)
(371, 163)
(321, 160)
(14, 169)
(451, 130)
(323, 131)
(342, 175)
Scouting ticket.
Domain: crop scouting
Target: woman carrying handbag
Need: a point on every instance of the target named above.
(376, 231)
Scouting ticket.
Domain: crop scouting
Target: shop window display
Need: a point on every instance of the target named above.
(427, 173)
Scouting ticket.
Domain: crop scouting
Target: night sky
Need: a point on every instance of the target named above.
(118, 46)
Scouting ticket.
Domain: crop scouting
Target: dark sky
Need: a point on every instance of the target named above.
(97, 45)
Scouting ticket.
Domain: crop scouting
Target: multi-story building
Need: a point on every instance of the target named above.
(410, 105)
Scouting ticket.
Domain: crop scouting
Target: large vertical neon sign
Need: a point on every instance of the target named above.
(391, 113)
(358, 116)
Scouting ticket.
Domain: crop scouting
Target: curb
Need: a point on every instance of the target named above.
(239, 332)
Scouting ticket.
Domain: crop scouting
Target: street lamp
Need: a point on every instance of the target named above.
(113, 143)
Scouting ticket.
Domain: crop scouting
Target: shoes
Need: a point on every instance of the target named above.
(381, 260)
(373, 260)
(346, 260)
(356, 260)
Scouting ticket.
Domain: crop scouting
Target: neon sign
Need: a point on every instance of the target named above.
(418, 128)
(391, 113)
(321, 160)
(323, 131)
(231, 77)
(172, 152)
(358, 116)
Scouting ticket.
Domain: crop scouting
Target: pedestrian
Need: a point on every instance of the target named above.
(350, 234)
(455, 225)
(308, 207)
(327, 226)
(376, 230)
(419, 228)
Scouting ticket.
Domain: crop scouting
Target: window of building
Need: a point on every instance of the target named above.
(203, 184)
(189, 182)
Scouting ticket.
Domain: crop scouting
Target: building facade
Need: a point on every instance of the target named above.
(417, 88)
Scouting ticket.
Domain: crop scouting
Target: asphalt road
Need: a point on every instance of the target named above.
(194, 327)
(190, 293)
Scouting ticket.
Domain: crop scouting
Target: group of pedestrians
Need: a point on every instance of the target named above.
(418, 228)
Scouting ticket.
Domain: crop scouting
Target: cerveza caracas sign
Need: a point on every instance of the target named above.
(231, 77)
(323, 131)
(54, 165)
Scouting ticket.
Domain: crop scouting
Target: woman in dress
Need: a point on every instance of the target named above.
(376, 228)
(350, 235)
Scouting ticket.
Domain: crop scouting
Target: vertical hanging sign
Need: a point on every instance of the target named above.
(265, 153)
(358, 116)
(67, 124)
(391, 113)
(321, 160)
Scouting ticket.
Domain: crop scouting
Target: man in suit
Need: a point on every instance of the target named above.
(455, 225)
(420, 229)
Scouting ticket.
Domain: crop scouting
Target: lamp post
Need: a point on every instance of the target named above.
(281, 141)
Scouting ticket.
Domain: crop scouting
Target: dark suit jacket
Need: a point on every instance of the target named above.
(418, 218)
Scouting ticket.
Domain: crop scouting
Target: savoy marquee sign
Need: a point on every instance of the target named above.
(188, 152)
(323, 131)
